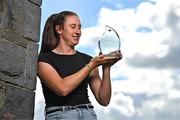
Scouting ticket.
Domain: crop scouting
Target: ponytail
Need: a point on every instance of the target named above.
(49, 40)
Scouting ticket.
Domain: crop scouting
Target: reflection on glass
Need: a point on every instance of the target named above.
(109, 42)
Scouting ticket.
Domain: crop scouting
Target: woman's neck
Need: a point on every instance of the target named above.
(64, 50)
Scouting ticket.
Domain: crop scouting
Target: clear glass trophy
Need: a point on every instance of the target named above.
(109, 42)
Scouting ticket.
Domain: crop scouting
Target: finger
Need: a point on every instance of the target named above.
(101, 56)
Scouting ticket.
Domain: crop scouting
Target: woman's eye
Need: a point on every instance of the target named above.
(73, 26)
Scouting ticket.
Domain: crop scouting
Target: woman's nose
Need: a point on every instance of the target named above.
(78, 31)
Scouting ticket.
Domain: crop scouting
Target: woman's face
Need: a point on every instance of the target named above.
(71, 31)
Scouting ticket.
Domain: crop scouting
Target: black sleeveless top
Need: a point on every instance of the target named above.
(66, 65)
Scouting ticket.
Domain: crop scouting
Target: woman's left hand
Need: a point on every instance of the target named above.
(110, 62)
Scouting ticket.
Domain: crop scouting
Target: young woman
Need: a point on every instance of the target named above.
(65, 73)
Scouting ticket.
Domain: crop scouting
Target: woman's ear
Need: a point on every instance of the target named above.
(58, 29)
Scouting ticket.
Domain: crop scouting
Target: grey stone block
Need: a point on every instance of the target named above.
(12, 62)
(18, 104)
(21, 16)
(13, 37)
(17, 64)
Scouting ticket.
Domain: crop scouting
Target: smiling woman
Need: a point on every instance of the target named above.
(65, 73)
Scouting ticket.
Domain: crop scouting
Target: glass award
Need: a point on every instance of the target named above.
(109, 43)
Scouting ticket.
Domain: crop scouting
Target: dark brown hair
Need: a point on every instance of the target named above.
(50, 37)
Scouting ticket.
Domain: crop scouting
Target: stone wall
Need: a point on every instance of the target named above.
(19, 34)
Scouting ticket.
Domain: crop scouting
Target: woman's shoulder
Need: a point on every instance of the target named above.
(44, 57)
(43, 54)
